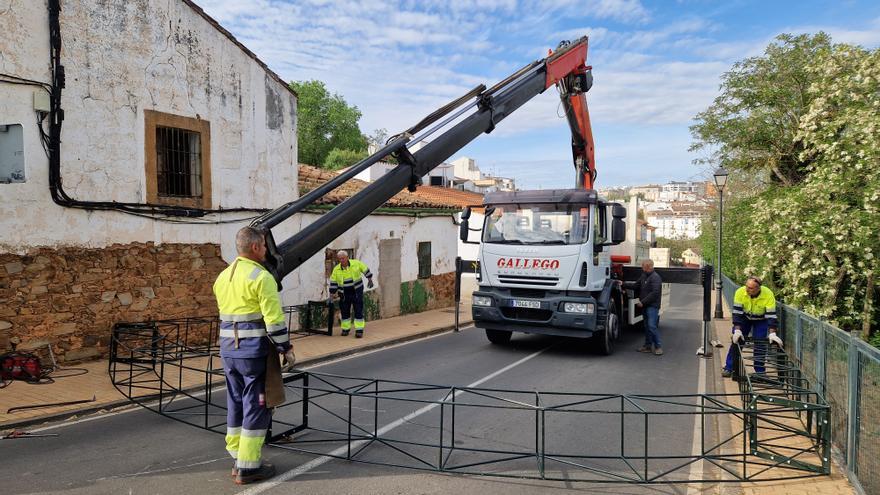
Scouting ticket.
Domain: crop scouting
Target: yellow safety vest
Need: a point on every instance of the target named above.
(349, 277)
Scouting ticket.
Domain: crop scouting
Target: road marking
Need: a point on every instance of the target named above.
(698, 469)
(298, 471)
(132, 407)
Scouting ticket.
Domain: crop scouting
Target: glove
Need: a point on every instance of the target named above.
(289, 359)
(737, 336)
(369, 283)
(774, 339)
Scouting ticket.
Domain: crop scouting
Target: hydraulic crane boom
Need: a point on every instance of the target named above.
(455, 125)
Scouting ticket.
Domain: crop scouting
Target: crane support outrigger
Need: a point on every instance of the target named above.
(450, 128)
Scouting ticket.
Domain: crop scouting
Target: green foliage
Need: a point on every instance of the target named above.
(338, 158)
(676, 247)
(325, 122)
(814, 236)
(752, 124)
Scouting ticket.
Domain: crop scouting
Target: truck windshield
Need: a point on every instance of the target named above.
(537, 224)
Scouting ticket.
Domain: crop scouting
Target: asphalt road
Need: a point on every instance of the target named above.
(141, 452)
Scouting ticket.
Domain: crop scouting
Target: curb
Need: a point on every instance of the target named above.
(121, 403)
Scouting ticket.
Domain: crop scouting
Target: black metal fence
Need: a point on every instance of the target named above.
(768, 431)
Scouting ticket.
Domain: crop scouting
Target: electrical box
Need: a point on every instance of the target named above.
(41, 101)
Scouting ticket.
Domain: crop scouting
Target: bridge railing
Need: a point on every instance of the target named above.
(846, 371)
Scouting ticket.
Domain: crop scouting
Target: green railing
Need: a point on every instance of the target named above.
(846, 371)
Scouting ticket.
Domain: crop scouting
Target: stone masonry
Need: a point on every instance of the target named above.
(70, 297)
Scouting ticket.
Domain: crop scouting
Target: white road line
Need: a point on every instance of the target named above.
(132, 407)
(698, 469)
(298, 471)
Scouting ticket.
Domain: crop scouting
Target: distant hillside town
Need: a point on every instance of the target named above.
(675, 209)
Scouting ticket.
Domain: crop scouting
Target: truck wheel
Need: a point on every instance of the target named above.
(605, 340)
(498, 337)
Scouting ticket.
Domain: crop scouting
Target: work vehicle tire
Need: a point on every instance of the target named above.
(604, 341)
(498, 337)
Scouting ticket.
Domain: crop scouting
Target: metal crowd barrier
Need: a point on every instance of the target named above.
(774, 428)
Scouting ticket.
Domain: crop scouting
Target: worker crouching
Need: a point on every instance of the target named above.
(252, 331)
(346, 281)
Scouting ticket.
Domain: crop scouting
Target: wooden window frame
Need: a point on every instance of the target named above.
(154, 119)
(427, 266)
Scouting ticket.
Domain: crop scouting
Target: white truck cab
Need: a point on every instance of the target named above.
(545, 265)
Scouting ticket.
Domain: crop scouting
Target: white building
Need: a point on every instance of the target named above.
(161, 107)
(677, 224)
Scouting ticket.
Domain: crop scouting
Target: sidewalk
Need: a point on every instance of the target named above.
(309, 350)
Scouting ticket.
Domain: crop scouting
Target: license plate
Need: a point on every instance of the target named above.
(519, 303)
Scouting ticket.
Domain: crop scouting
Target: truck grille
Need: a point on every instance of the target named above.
(527, 314)
(528, 293)
(528, 280)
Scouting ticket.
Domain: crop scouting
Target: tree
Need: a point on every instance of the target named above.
(752, 124)
(325, 122)
(338, 158)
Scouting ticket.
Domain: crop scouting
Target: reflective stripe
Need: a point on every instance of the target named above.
(241, 325)
(276, 326)
(240, 464)
(737, 311)
(233, 430)
(255, 273)
(244, 317)
(345, 324)
(280, 339)
(243, 333)
(245, 433)
(276, 333)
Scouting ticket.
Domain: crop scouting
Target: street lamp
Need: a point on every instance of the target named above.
(720, 182)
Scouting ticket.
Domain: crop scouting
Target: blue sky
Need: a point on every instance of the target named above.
(655, 65)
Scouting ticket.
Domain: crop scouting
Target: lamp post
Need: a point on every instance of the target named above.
(720, 181)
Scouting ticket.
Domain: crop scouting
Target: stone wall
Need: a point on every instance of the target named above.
(70, 297)
(423, 294)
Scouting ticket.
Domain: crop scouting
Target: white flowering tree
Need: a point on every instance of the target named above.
(818, 240)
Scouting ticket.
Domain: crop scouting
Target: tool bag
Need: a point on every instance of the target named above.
(20, 366)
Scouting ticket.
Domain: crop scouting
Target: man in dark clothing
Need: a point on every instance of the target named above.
(649, 287)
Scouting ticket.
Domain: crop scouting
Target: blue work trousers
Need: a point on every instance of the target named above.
(758, 330)
(651, 315)
(247, 418)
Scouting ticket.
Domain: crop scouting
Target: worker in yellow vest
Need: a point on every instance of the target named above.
(251, 327)
(346, 281)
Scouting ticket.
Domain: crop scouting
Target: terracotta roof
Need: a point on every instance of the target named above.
(425, 197)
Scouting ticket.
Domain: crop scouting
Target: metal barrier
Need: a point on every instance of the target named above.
(846, 371)
(769, 431)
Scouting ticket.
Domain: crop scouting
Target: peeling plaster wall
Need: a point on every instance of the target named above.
(122, 57)
(309, 283)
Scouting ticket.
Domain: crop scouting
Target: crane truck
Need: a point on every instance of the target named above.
(545, 264)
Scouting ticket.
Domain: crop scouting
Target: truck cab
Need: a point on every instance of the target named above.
(545, 265)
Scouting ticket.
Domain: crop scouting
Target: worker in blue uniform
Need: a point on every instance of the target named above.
(346, 279)
(754, 312)
(251, 327)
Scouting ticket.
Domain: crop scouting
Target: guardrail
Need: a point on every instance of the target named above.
(844, 370)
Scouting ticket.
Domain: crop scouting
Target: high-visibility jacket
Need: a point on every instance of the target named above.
(251, 319)
(350, 276)
(759, 308)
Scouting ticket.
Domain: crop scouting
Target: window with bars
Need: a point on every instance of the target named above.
(424, 255)
(178, 165)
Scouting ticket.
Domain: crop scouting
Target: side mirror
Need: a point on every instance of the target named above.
(618, 211)
(463, 228)
(466, 213)
(618, 230)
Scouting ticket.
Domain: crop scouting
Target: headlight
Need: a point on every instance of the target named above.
(585, 308)
(481, 301)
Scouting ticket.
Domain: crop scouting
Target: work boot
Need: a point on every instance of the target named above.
(358, 333)
(726, 373)
(645, 348)
(245, 476)
(658, 351)
(345, 333)
(234, 470)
